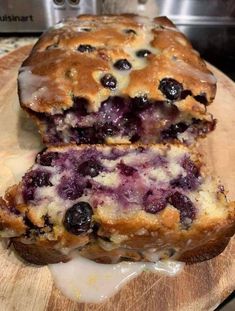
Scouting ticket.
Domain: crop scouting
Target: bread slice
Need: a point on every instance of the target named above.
(112, 203)
(117, 79)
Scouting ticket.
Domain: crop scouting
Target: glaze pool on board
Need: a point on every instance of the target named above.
(83, 280)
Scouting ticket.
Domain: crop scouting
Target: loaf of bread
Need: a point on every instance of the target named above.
(111, 203)
(116, 79)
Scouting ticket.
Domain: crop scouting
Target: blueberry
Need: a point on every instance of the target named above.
(187, 183)
(86, 48)
(201, 99)
(190, 167)
(47, 158)
(37, 178)
(155, 207)
(132, 124)
(140, 102)
(69, 189)
(185, 93)
(174, 130)
(86, 135)
(109, 129)
(126, 169)
(122, 64)
(190, 181)
(109, 81)
(130, 31)
(28, 193)
(184, 205)
(86, 29)
(78, 218)
(13, 210)
(57, 118)
(90, 168)
(79, 106)
(171, 88)
(154, 202)
(33, 179)
(143, 53)
(112, 110)
(134, 138)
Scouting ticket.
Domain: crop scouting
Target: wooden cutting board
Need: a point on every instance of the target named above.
(199, 287)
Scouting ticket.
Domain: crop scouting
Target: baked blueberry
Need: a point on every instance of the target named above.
(132, 124)
(140, 102)
(185, 93)
(86, 48)
(37, 178)
(28, 193)
(126, 169)
(122, 64)
(154, 202)
(109, 129)
(201, 99)
(174, 130)
(69, 188)
(86, 135)
(86, 29)
(184, 205)
(32, 180)
(143, 53)
(109, 81)
(171, 88)
(78, 218)
(47, 158)
(190, 167)
(134, 138)
(155, 207)
(130, 31)
(188, 182)
(90, 168)
(79, 106)
(191, 180)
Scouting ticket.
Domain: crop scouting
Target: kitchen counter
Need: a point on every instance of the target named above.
(8, 44)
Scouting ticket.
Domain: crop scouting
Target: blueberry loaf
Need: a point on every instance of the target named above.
(117, 202)
(116, 79)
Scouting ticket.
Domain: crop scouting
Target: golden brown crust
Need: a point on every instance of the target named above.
(204, 252)
(39, 254)
(42, 255)
(207, 241)
(55, 71)
(9, 220)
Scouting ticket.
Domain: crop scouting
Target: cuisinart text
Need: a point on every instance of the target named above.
(16, 18)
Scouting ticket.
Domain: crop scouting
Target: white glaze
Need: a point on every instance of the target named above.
(31, 86)
(83, 280)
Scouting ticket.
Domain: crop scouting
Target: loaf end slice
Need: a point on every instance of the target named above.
(114, 203)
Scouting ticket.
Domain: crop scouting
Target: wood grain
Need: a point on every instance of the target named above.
(199, 287)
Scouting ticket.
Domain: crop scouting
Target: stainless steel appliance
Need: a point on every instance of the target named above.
(37, 15)
(210, 24)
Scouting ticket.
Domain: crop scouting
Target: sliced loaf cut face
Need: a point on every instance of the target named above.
(113, 203)
(117, 79)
